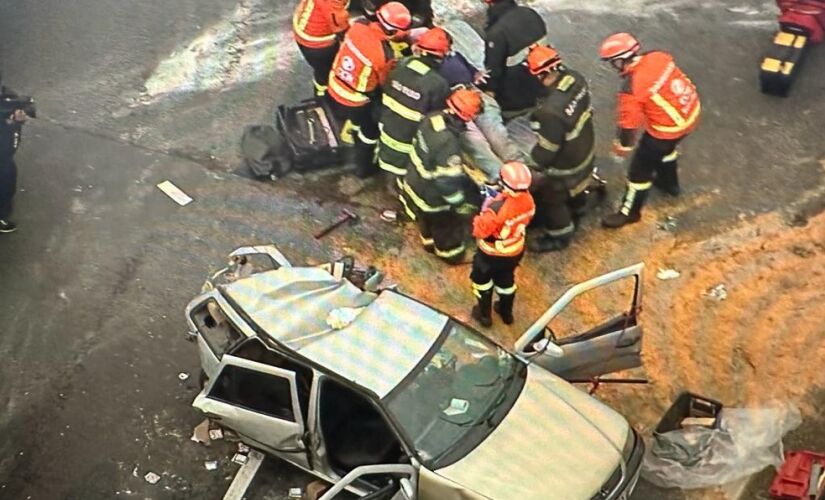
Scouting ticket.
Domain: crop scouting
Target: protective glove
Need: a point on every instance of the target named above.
(618, 151)
(467, 209)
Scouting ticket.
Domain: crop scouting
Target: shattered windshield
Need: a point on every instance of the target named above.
(458, 396)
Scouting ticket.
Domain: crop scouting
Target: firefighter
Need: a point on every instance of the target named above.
(414, 89)
(510, 31)
(11, 129)
(500, 230)
(435, 190)
(359, 69)
(657, 95)
(420, 10)
(317, 26)
(565, 151)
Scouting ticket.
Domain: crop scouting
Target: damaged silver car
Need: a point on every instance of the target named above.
(388, 398)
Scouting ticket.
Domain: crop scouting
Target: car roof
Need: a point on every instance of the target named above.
(387, 339)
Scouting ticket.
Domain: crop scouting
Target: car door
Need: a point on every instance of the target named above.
(593, 347)
(403, 486)
(259, 402)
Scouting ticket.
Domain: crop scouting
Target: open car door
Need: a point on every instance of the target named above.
(259, 402)
(591, 347)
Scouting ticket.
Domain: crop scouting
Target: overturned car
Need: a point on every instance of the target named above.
(388, 398)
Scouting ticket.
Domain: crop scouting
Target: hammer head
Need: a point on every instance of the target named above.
(349, 214)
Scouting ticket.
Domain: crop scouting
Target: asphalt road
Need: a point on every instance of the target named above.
(93, 285)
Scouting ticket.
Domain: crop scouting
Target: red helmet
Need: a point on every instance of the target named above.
(619, 46)
(465, 103)
(516, 176)
(435, 41)
(394, 16)
(542, 59)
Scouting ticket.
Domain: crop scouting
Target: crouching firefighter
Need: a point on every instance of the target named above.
(435, 190)
(359, 70)
(414, 89)
(500, 229)
(659, 96)
(565, 151)
(317, 26)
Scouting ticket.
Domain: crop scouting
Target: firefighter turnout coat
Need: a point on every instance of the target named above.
(510, 33)
(361, 66)
(659, 96)
(435, 180)
(413, 90)
(502, 226)
(564, 128)
(317, 23)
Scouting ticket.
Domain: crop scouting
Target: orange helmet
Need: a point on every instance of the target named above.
(394, 17)
(542, 59)
(619, 46)
(435, 41)
(516, 176)
(465, 103)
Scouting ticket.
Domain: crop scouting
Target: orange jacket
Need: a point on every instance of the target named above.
(361, 66)
(316, 23)
(502, 225)
(659, 96)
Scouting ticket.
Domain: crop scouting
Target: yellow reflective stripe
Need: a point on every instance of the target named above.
(438, 123)
(423, 205)
(403, 201)
(681, 123)
(395, 145)
(455, 198)
(446, 254)
(400, 109)
(439, 171)
(672, 112)
(548, 145)
(506, 291)
(557, 172)
(419, 67)
(365, 139)
(500, 247)
(389, 167)
(583, 119)
(345, 92)
(299, 24)
(426, 241)
(671, 157)
(640, 186)
(566, 82)
(562, 231)
(483, 286)
(363, 77)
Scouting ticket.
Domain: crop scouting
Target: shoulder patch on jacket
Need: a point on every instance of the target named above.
(438, 123)
(566, 82)
(418, 67)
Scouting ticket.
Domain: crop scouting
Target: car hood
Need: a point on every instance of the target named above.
(548, 446)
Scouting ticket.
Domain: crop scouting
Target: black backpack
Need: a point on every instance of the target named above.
(262, 149)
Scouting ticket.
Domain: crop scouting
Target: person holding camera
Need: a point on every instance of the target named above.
(10, 133)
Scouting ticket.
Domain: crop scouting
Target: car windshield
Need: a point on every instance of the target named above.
(457, 397)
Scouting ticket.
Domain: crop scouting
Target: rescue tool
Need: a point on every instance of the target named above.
(346, 216)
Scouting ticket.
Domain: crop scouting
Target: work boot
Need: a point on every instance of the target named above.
(7, 226)
(547, 243)
(504, 308)
(630, 212)
(482, 312)
(365, 166)
(667, 179)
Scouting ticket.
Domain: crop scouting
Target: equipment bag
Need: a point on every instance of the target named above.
(262, 150)
(311, 134)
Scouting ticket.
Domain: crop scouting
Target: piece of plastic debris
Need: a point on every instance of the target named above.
(151, 478)
(239, 458)
(669, 224)
(215, 434)
(457, 407)
(211, 464)
(718, 293)
(242, 448)
(296, 493)
(182, 376)
(175, 193)
(342, 317)
(668, 274)
(389, 215)
(201, 433)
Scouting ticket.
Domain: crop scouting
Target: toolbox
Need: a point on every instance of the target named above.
(793, 479)
(690, 406)
(312, 135)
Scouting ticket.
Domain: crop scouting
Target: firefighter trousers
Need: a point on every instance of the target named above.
(8, 187)
(442, 233)
(654, 159)
(364, 129)
(495, 273)
(320, 59)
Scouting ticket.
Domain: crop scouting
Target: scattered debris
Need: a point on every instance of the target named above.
(389, 215)
(296, 493)
(183, 376)
(668, 274)
(211, 465)
(242, 448)
(216, 434)
(151, 478)
(669, 224)
(718, 293)
(174, 192)
(201, 433)
(744, 9)
(240, 459)
(803, 252)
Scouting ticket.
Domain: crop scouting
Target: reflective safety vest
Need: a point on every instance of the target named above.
(660, 97)
(501, 227)
(316, 23)
(361, 66)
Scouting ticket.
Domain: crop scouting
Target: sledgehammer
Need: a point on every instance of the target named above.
(345, 217)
